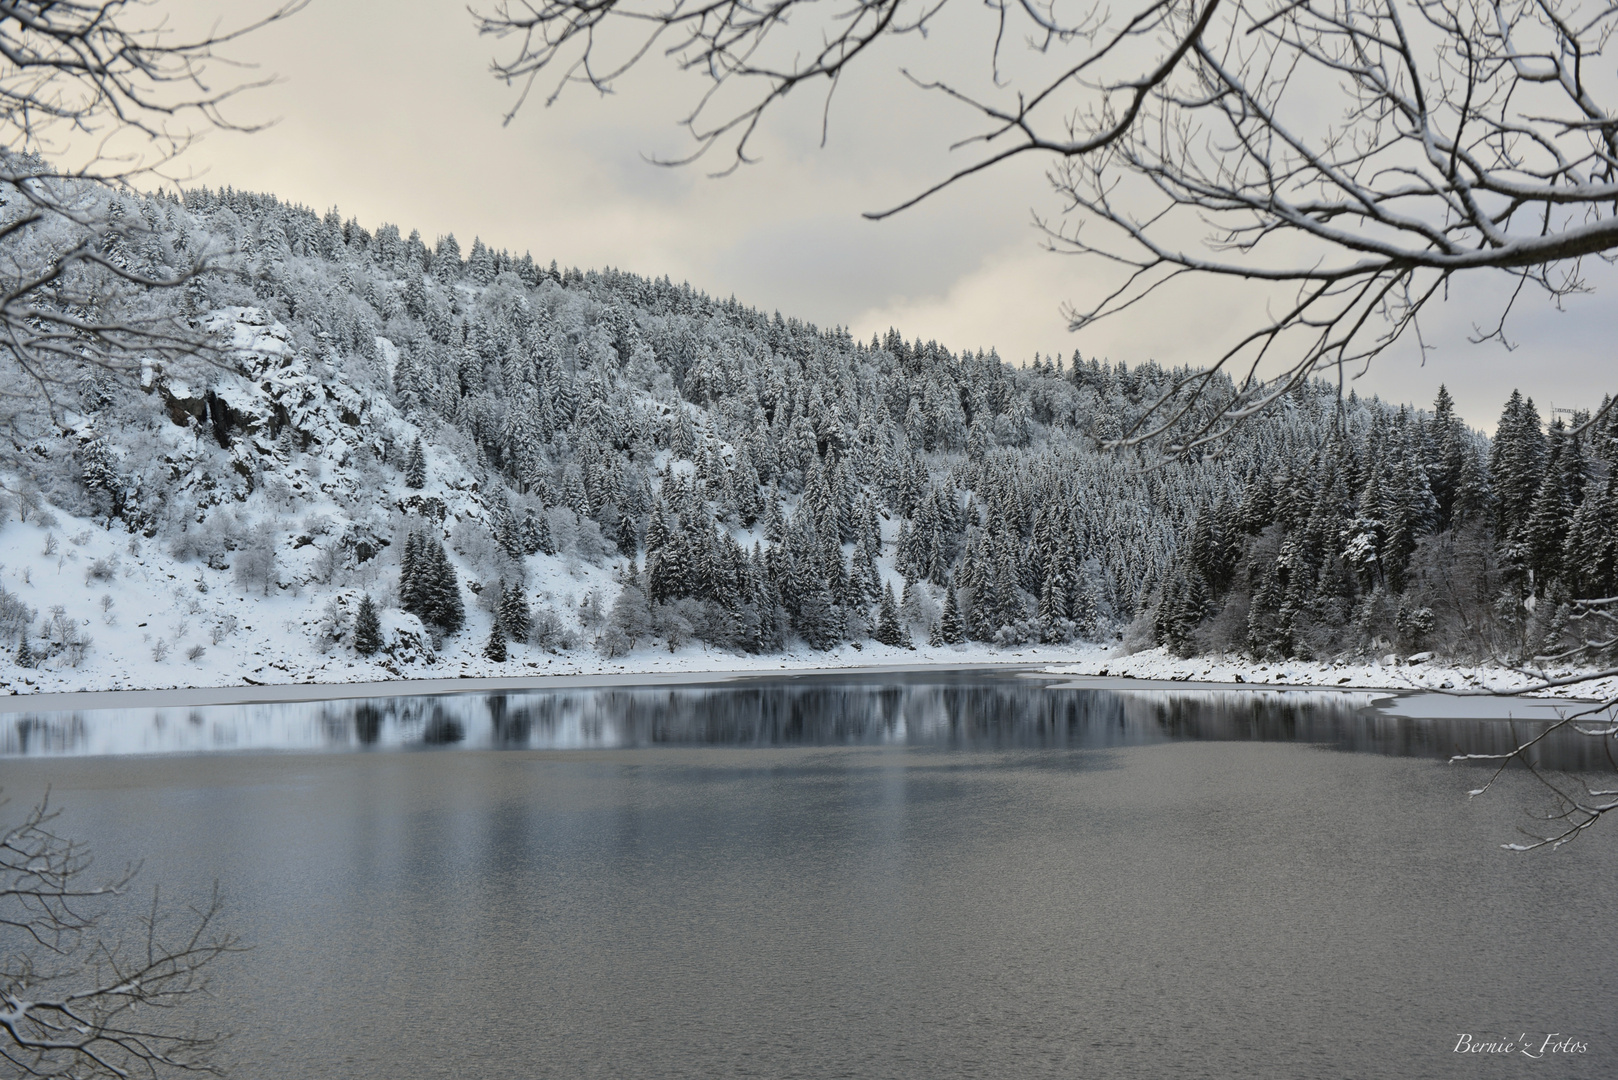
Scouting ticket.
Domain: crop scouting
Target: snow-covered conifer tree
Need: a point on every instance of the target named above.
(416, 466)
(367, 627)
(888, 630)
(495, 648)
(950, 627)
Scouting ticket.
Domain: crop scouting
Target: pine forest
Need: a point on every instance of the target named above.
(418, 447)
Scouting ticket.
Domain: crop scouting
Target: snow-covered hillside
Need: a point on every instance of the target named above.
(399, 462)
(293, 522)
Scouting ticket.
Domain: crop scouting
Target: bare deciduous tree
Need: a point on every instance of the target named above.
(1355, 155)
(94, 94)
(75, 1003)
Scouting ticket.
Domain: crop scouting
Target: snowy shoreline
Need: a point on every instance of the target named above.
(1103, 667)
(257, 592)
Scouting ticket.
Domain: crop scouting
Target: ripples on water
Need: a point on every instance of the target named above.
(825, 711)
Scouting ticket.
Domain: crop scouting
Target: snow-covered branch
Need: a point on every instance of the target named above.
(1360, 152)
(93, 95)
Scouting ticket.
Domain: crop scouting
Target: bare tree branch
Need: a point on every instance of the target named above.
(1360, 152)
(76, 1004)
(93, 97)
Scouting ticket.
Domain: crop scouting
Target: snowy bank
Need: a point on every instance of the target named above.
(1416, 673)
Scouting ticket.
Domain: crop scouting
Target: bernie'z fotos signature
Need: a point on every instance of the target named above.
(1553, 1043)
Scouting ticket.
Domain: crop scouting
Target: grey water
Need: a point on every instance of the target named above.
(934, 876)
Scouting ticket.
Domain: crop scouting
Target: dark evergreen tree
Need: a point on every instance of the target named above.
(818, 618)
(625, 536)
(514, 616)
(1517, 463)
(416, 466)
(540, 538)
(1445, 457)
(888, 629)
(412, 591)
(1544, 533)
(99, 474)
(429, 588)
(503, 524)
(1086, 619)
(1590, 557)
(1473, 495)
(495, 648)
(1053, 596)
(669, 573)
(449, 612)
(367, 627)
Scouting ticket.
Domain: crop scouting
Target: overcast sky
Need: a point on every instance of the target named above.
(386, 110)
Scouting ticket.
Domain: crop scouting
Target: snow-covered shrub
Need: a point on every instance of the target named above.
(102, 570)
(64, 637)
(613, 642)
(676, 623)
(209, 541)
(918, 609)
(564, 526)
(1413, 625)
(486, 560)
(328, 561)
(186, 599)
(1058, 631)
(1141, 634)
(592, 547)
(590, 610)
(195, 652)
(15, 616)
(549, 632)
(630, 616)
(316, 525)
(580, 538)
(332, 625)
(222, 628)
(1021, 632)
(278, 493)
(254, 567)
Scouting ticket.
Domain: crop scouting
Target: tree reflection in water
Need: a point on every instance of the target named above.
(966, 711)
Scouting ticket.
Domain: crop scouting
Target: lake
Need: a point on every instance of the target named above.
(928, 875)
